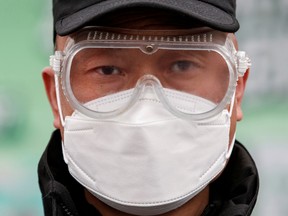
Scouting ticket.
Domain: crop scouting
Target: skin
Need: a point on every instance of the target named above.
(155, 20)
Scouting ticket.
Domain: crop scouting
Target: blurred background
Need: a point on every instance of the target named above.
(26, 119)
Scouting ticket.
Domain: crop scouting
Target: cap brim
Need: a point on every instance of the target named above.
(208, 14)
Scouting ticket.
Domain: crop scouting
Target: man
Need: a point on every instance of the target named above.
(145, 97)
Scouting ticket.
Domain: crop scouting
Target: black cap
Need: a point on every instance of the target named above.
(71, 15)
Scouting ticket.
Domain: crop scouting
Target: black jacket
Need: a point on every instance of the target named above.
(234, 193)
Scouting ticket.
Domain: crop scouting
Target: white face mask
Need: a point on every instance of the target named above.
(146, 161)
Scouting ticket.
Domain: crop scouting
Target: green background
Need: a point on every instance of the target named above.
(26, 119)
(25, 116)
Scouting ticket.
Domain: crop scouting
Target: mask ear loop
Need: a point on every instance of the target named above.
(59, 100)
(231, 146)
(61, 114)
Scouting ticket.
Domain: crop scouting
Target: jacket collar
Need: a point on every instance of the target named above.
(235, 191)
(60, 191)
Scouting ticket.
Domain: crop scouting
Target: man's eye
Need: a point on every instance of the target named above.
(108, 70)
(182, 66)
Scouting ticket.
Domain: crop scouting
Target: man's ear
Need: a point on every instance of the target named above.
(49, 82)
(241, 84)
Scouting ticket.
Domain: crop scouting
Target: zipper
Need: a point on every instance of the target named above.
(66, 210)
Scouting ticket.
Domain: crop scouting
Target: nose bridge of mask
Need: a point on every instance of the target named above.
(148, 94)
(147, 106)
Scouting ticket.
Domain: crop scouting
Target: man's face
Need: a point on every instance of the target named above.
(139, 62)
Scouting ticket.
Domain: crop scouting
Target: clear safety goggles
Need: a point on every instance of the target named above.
(184, 68)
